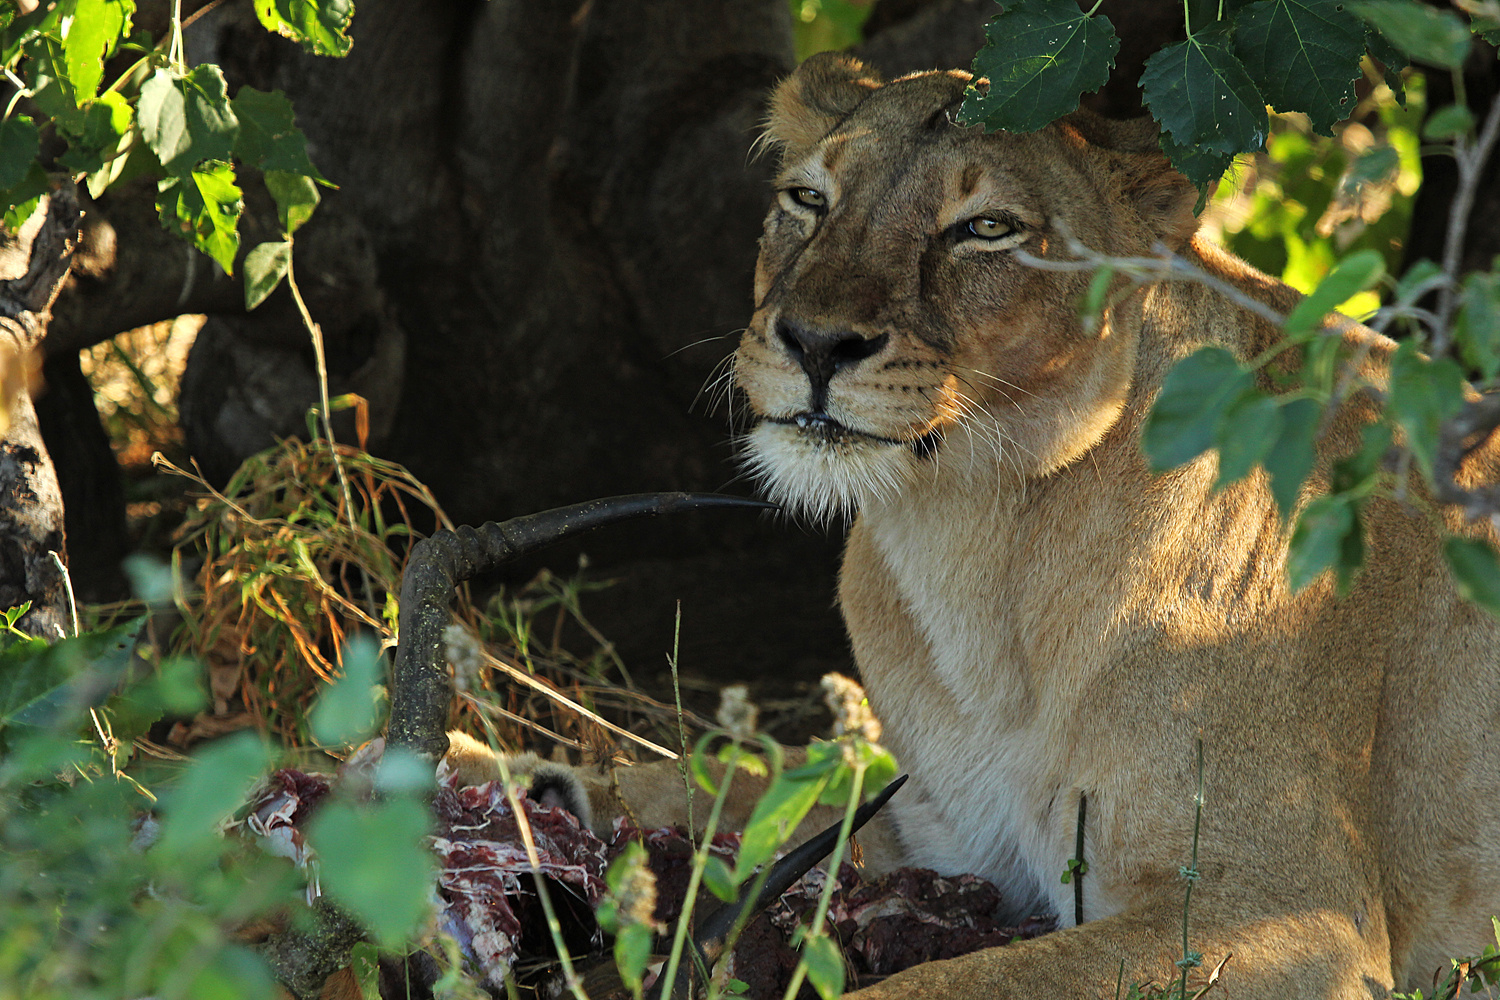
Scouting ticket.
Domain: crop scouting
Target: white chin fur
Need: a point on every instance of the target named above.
(819, 479)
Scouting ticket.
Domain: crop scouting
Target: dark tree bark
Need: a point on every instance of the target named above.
(33, 263)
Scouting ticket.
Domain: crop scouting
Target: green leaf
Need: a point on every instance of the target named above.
(20, 141)
(375, 862)
(880, 768)
(1354, 274)
(1358, 472)
(1194, 397)
(1426, 34)
(265, 266)
(52, 89)
(1199, 165)
(1422, 394)
(719, 880)
(1202, 95)
(269, 138)
(187, 118)
(698, 764)
(321, 26)
(347, 709)
(825, 966)
(632, 952)
(21, 201)
(776, 815)
(1475, 571)
(214, 785)
(204, 207)
(1304, 55)
(1421, 278)
(1292, 458)
(1246, 435)
(44, 684)
(1392, 61)
(1375, 165)
(92, 30)
(1448, 123)
(1041, 55)
(107, 123)
(1319, 539)
(296, 198)
(1477, 329)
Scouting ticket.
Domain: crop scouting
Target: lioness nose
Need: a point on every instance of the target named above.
(821, 353)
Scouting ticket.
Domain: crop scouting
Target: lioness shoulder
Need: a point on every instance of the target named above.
(1043, 624)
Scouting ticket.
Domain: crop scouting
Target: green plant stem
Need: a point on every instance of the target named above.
(316, 332)
(856, 790)
(175, 49)
(700, 861)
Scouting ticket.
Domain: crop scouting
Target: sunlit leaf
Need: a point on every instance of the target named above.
(1424, 33)
(1194, 397)
(1304, 56)
(1354, 274)
(94, 27)
(107, 121)
(296, 197)
(204, 207)
(1041, 55)
(776, 815)
(321, 26)
(1476, 572)
(186, 118)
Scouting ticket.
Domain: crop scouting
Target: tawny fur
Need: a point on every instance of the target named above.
(1037, 617)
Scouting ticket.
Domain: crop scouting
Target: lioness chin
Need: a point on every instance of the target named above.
(1038, 618)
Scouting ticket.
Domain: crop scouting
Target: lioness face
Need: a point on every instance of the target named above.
(898, 331)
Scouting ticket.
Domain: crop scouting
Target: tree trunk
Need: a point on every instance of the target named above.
(33, 264)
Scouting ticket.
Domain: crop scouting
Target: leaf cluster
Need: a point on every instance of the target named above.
(1210, 92)
(157, 118)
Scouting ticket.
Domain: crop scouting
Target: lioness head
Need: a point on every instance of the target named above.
(897, 329)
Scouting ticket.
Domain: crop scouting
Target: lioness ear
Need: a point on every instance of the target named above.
(1164, 197)
(815, 98)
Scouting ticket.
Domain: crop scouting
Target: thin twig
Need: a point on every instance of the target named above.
(518, 674)
(1470, 162)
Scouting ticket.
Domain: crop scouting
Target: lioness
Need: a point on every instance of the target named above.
(1038, 618)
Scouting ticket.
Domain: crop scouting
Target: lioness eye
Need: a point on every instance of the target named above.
(808, 197)
(989, 229)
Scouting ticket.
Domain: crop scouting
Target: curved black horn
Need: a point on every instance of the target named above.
(420, 692)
